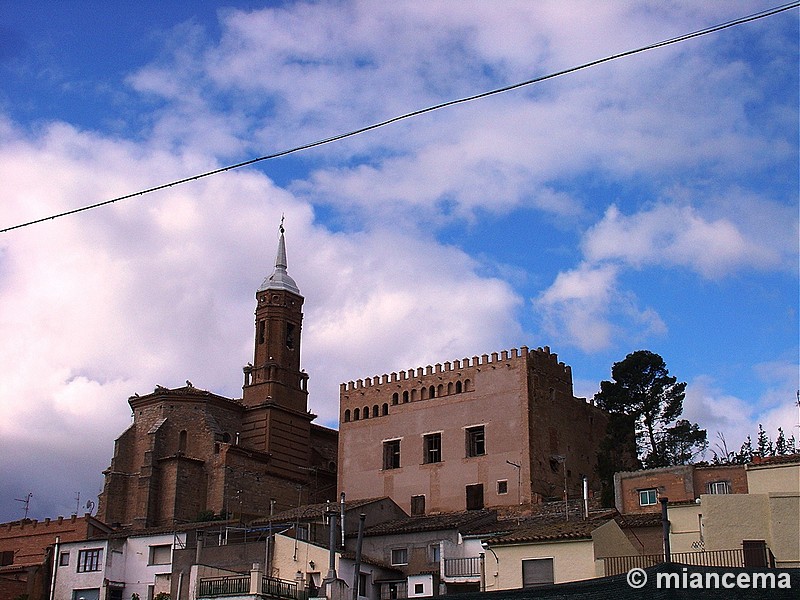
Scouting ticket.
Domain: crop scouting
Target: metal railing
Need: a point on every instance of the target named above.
(280, 588)
(462, 567)
(223, 586)
(615, 565)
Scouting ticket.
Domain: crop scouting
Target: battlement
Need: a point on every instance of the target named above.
(439, 368)
(26, 524)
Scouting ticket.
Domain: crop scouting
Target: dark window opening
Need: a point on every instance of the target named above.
(290, 336)
(405, 396)
(391, 454)
(356, 414)
(432, 392)
(476, 441)
(347, 416)
(502, 486)
(395, 398)
(366, 412)
(432, 444)
(385, 409)
(182, 436)
(262, 330)
(458, 387)
(475, 496)
(417, 506)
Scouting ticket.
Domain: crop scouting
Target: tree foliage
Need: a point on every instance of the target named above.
(643, 390)
(764, 448)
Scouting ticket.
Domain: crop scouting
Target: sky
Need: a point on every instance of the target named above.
(649, 202)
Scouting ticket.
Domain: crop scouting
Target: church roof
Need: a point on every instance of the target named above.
(280, 280)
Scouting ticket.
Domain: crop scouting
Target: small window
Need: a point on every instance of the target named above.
(366, 412)
(419, 588)
(399, 556)
(290, 336)
(405, 396)
(89, 560)
(395, 398)
(476, 441)
(375, 410)
(719, 487)
(262, 328)
(182, 437)
(356, 414)
(417, 506)
(648, 497)
(63, 560)
(458, 387)
(160, 555)
(391, 454)
(432, 448)
(6, 558)
(537, 571)
(362, 584)
(502, 486)
(434, 553)
(385, 409)
(347, 416)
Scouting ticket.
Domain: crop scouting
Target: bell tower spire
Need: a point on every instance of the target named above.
(275, 376)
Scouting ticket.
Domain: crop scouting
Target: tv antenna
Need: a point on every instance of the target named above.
(26, 501)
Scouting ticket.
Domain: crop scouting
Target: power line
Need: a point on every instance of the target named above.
(341, 136)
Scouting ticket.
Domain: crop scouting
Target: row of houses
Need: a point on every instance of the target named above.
(754, 522)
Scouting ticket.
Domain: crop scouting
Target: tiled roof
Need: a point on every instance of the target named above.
(314, 511)
(548, 529)
(464, 521)
(640, 520)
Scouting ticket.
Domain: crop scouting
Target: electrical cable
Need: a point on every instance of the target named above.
(415, 113)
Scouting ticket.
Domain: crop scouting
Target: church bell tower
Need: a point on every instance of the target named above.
(275, 391)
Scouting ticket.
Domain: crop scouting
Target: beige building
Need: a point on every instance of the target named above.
(497, 430)
(768, 516)
(554, 552)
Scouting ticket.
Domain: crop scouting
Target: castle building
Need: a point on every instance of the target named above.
(494, 431)
(190, 453)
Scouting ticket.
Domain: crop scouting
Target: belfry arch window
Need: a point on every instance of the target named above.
(347, 416)
(432, 392)
(375, 410)
(290, 336)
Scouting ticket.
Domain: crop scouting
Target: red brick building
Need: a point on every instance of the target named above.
(499, 430)
(638, 492)
(190, 452)
(25, 551)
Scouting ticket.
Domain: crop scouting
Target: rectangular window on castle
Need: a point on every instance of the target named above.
(476, 441)
(391, 454)
(432, 448)
(89, 560)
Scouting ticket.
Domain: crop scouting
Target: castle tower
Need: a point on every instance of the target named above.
(275, 389)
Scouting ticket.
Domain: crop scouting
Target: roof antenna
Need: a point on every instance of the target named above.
(26, 501)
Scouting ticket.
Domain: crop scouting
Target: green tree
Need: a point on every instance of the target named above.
(643, 389)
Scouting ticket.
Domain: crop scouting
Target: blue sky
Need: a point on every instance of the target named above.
(646, 203)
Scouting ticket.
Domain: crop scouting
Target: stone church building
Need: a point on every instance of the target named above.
(190, 453)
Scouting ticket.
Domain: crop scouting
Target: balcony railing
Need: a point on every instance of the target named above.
(238, 585)
(279, 588)
(462, 567)
(223, 586)
(752, 557)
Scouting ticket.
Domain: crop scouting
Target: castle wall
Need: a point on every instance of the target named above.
(523, 401)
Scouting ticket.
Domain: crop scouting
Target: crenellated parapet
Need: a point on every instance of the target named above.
(375, 396)
(422, 374)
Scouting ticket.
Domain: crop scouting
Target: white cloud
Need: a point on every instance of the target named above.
(673, 235)
(583, 307)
